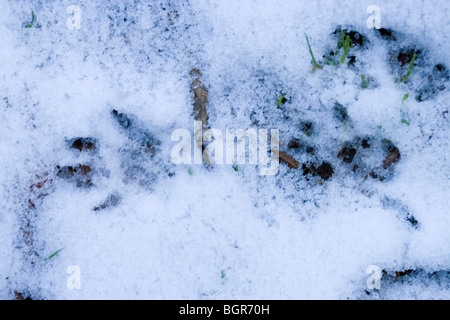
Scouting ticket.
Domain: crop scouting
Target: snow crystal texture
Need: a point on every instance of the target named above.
(86, 122)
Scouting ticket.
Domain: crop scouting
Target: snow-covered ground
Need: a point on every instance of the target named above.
(133, 225)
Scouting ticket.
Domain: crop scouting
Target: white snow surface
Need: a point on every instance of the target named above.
(214, 232)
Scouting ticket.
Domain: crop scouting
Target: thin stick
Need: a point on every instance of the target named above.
(316, 65)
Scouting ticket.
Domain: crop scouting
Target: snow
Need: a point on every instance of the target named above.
(199, 232)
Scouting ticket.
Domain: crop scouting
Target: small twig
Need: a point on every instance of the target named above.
(18, 296)
(291, 162)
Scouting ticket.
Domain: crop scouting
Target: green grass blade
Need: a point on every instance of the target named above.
(410, 69)
(280, 100)
(342, 40)
(316, 65)
(54, 254)
(33, 18)
(365, 83)
(405, 97)
(346, 48)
